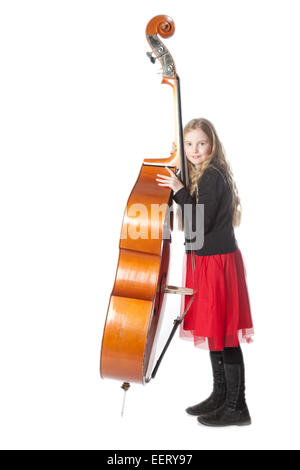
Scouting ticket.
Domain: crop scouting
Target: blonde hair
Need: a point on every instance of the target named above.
(218, 156)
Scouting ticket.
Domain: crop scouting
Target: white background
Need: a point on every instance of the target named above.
(81, 107)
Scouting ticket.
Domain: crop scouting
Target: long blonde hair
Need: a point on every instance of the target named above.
(219, 159)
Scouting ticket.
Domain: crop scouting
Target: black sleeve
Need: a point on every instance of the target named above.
(209, 191)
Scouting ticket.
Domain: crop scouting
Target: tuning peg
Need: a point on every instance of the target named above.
(151, 57)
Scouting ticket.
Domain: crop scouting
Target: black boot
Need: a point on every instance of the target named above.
(234, 410)
(217, 398)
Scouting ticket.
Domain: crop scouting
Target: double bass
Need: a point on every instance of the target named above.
(136, 302)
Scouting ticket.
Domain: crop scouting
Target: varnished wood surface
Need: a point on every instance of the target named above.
(135, 304)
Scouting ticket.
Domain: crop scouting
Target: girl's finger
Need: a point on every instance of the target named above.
(170, 171)
(172, 174)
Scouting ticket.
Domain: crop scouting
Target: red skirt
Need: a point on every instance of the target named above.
(220, 314)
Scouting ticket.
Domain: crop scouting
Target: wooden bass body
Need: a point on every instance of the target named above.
(136, 300)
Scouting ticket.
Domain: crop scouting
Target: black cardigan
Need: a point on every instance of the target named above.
(214, 192)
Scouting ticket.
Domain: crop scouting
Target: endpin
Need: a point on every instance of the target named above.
(125, 387)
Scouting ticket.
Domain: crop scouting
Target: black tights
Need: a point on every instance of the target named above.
(231, 355)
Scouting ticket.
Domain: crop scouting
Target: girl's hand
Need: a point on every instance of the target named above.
(170, 181)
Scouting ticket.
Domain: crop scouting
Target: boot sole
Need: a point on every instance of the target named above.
(215, 425)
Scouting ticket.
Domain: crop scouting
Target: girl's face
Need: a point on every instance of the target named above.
(197, 146)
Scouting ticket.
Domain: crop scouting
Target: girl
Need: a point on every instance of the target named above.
(220, 314)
